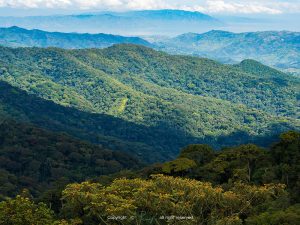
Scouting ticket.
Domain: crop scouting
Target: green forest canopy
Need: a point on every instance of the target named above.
(181, 99)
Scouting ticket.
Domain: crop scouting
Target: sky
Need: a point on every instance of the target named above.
(270, 7)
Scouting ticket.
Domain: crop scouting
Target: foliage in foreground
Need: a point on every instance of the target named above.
(151, 201)
(240, 185)
(247, 163)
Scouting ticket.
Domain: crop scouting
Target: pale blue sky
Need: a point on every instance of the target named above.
(28, 7)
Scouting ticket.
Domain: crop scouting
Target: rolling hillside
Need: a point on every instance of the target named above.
(153, 99)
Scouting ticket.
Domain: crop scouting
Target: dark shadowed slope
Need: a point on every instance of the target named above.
(148, 143)
(36, 159)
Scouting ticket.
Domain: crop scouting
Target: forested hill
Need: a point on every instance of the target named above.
(19, 37)
(279, 49)
(159, 101)
(254, 67)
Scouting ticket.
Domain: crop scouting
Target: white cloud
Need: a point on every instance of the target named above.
(220, 6)
(34, 3)
(209, 6)
(86, 4)
(60, 3)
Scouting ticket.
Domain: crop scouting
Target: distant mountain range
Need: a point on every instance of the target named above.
(148, 103)
(274, 48)
(125, 23)
(19, 37)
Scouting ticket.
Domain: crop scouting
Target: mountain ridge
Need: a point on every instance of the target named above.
(20, 37)
(279, 49)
